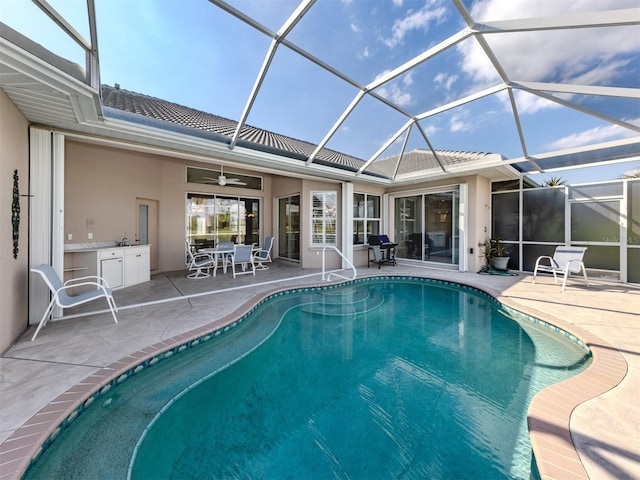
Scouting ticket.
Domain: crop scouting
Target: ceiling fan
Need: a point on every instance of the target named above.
(222, 180)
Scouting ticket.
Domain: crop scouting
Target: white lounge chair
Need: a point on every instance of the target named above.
(200, 264)
(243, 255)
(263, 255)
(64, 300)
(565, 260)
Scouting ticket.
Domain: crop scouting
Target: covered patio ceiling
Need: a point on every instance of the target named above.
(545, 85)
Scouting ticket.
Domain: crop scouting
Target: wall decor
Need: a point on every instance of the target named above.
(15, 214)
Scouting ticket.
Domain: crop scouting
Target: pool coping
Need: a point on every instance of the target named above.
(548, 415)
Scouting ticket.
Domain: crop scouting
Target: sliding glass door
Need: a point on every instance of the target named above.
(289, 227)
(213, 218)
(426, 227)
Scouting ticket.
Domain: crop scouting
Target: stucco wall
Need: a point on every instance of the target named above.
(102, 184)
(14, 155)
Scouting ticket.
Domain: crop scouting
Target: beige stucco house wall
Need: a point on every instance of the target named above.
(14, 155)
(103, 183)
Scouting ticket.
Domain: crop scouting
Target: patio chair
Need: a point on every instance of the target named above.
(200, 264)
(565, 260)
(64, 300)
(263, 255)
(243, 255)
(225, 258)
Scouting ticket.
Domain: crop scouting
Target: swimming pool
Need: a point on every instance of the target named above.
(381, 377)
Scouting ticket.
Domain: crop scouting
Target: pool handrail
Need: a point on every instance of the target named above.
(327, 277)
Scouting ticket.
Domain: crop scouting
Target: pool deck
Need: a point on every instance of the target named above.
(585, 427)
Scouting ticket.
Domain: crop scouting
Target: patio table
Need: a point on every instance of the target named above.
(219, 253)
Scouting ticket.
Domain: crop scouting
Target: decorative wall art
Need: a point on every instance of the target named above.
(15, 214)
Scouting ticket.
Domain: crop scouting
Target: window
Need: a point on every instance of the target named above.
(213, 218)
(324, 215)
(366, 217)
(208, 176)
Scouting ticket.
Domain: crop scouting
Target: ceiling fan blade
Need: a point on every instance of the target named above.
(235, 181)
(222, 180)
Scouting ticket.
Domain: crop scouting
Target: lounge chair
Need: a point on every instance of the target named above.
(263, 255)
(243, 255)
(200, 264)
(64, 300)
(565, 260)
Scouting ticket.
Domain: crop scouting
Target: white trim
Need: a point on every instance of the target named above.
(311, 218)
(57, 210)
(463, 240)
(347, 223)
(39, 218)
(463, 227)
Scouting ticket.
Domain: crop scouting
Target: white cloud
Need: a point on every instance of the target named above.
(394, 93)
(407, 80)
(416, 20)
(445, 80)
(574, 54)
(392, 90)
(430, 130)
(397, 3)
(355, 28)
(365, 53)
(529, 103)
(459, 123)
(593, 135)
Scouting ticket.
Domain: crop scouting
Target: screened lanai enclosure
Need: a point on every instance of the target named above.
(543, 84)
(604, 217)
(386, 95)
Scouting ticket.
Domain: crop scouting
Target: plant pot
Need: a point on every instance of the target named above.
(500, 263)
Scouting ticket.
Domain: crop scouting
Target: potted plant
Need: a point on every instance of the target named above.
(486, 253)
(498, 254)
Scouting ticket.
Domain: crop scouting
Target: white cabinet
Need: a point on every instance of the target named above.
(111, 266)
(136, 265)
(120, 267)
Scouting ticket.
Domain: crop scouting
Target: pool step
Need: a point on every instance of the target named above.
(358, 301)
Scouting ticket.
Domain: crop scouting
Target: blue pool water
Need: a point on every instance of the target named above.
(381, 378)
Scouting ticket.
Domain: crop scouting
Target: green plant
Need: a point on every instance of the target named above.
(632, 174)
(493, 247)
(497, 248)
(485, 251)
(553, 182)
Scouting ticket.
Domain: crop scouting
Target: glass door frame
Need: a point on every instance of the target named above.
(293, 246)
(458, 230)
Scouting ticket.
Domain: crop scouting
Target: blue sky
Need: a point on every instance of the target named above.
(193, 53)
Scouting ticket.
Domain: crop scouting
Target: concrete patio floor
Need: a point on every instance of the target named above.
(597, 411)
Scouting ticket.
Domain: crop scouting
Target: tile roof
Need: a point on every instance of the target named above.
(198, 123)
(419, 160)
(252, 137)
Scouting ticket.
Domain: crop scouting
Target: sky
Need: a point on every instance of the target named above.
(193, 53)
